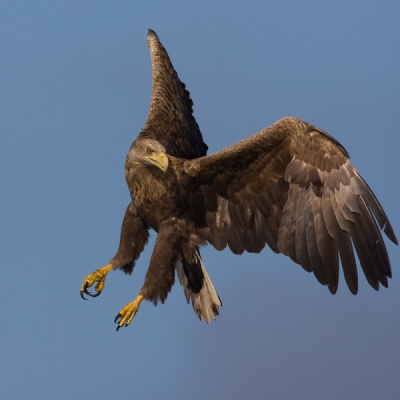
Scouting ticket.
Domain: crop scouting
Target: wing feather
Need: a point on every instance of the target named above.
(312, 247)
(301, 235)
(326, 245)
(345, 247)
(363, 189)
(286, 241)
(234, 242)
(252, 237)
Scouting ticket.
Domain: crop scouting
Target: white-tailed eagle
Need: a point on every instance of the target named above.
(290, 186)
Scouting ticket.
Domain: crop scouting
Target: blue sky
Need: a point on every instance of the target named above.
(75, 84)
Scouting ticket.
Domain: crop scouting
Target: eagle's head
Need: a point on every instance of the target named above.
(146, 153)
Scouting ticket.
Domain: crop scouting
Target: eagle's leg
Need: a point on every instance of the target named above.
(127, 314)
(97, 276)
(161, 273)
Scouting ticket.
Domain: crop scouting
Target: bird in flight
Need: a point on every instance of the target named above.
(291, 186)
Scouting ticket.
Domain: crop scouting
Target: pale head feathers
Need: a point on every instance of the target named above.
(147, 153)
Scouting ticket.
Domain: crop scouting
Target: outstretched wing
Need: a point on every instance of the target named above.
(170, 120)
(292, 186)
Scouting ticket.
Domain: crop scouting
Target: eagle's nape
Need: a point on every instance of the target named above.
(290, 186)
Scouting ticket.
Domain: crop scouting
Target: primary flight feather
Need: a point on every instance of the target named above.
(290, 186)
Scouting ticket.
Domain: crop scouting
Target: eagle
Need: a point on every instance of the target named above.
(291, 186)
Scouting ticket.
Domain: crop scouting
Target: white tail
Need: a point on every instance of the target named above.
(206, 303)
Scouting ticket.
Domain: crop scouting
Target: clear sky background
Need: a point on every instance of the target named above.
(75, 84)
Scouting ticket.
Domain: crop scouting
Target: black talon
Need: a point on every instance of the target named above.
(85, 289)
(115, 320)
(94, 295)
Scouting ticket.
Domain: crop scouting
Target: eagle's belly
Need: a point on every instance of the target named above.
(158, 210)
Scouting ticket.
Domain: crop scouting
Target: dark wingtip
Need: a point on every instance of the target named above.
(150, 32)
(390, 233)
(333, 288)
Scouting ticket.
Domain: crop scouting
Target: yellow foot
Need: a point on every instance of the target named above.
(97, 276)
(128, 312)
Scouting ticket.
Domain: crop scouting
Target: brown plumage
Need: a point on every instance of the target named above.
(290, 186)
(293, 187)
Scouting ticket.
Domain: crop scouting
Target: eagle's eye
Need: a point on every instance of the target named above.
(149, 150)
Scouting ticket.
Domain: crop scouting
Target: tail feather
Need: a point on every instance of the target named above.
(206, 303)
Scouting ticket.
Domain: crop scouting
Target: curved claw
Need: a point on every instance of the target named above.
(81, 292)
(84, 290)
(89, 293)
(94, 294)
(97, 276)
(116, 319)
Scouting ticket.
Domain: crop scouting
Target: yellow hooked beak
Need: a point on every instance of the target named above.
(160, 160)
